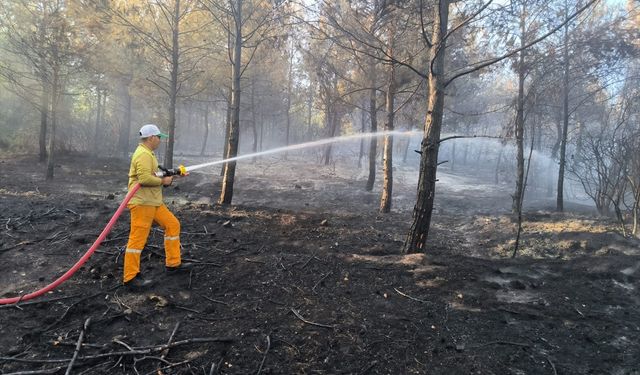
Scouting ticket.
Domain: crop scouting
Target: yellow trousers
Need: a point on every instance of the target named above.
(142, 217)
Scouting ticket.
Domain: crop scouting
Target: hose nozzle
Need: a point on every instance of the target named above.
(166, 172)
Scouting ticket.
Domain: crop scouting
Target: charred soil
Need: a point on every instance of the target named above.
(302, 276)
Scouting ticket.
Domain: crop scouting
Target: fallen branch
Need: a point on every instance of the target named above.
(135, 351)
(168, 367)
(319, 281)
(254, 261)
(555, 372)
(264, 357)
(308, 260)
(297, 314)
(19, 305)
(369, 367)
(216, 368)
(501, 343)
(78, 345)
(123, 344)
(52, 370)
(213, 300)
(187, 309)
(289, 345)
(165, 352)
(17, 245)
(411, 298)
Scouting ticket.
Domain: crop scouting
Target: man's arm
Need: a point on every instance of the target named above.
(143, 166)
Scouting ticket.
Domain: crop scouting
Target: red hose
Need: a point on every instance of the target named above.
(85, 257)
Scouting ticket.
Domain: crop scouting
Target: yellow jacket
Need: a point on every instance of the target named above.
(144, 165)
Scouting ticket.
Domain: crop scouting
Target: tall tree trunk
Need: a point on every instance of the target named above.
(205, 138)
(465, 154)
(373, 144)
(254, 119)
(387, 164)
(554, 153)
(54, 121)
(173, 88)
(331, 127)
(419, 231)
(309, 114)
(261, 129)
(226, 195)
(405, 153)
(498, 162)
(363, 129)
(125, 128)
(565, 115)
(227, 132)
(96, 133)
(636, 211)
(288, 105)
(452, 163)
(187, 107)
(44, 114)
(517, 195)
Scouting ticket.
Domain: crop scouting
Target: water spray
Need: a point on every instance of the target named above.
(182, 170)
(321, 142)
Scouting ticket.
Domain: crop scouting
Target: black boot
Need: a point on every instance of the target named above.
(182, 268)
(138, 283)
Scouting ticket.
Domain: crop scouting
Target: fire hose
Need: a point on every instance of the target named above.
(162, 173)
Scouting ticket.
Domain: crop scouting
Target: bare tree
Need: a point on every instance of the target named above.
(247, 24)
(438, 82)
(167, 30)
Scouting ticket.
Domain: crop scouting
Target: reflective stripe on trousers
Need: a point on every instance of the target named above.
(142, 217)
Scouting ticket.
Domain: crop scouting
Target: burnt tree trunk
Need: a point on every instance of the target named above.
(419, 231)
(227, 131)
(173, 86)
(565, 118)
(44, 114)
(254, 126)
(125, 127)
(226, 195)
(363, 129)
(405, 153)
(205, 138)
(519, 125)
(373, 144)
(54, 121)
(288, 104)
(331, 126)
(96, 133)
(387, 164)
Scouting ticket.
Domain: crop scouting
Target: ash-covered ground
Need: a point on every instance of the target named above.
(301, 275)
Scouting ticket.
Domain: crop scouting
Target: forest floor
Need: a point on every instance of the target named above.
(302, 276)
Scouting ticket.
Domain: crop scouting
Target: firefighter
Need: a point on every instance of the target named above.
(147, 207)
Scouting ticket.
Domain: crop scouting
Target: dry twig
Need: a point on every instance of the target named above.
(264, 357)
(501, 343)
(78, 346)
(52, 370)
(165, 352)
(408, 296)
(297, 314)
(555, 372)
(134, 351)
(213, 300)
(319, 281)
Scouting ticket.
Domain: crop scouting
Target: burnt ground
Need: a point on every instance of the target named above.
(302, 276)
